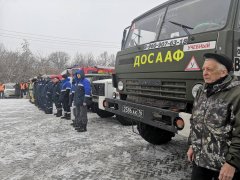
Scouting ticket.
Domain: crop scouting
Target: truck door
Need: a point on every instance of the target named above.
(236, 46)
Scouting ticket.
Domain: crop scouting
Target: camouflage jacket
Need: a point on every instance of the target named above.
(215, 125)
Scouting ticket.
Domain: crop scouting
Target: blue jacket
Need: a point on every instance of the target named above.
(66, 84)
(82, 90)
(65, 90)
(73, 86)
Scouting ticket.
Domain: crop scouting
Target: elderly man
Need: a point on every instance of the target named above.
(215, 123)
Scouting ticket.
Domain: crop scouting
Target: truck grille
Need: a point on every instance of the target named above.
(157, 88)
(98, 89)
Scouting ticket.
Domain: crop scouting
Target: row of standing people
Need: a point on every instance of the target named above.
(21, 89)
(63, 93)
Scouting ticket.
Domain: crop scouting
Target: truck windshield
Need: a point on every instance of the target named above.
(146, 29)
(182, 19)
(197, 16)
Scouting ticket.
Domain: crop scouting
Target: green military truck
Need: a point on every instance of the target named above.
(158, 69)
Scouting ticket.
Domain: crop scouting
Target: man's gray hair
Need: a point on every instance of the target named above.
(219, 65)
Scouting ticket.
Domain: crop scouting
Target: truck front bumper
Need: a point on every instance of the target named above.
(157, 117)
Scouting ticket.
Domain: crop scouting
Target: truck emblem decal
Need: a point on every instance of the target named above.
(158, 58)
(199, 46)
(192, 65)
(166, 43)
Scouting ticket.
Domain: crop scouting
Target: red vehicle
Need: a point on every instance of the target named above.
(89, 70)
(59, 76)
(94, 70)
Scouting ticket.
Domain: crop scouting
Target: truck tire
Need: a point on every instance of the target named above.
(125, 121)
(154, 135)
(94, 107)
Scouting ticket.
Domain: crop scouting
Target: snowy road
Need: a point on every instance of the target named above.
(34, 145)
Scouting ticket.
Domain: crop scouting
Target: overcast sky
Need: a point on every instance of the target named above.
(68, 25)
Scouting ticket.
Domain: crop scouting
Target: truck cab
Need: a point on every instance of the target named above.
(159, 68)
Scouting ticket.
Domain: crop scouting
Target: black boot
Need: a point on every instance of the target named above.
(59, 113)
(48, 111)
(85, 127)
(74, 124)
(78, 126)
(64, 116)
(82, 128)
(68, 116)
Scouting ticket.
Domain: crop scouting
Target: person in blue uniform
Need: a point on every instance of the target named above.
(81, 100)
(64, 97)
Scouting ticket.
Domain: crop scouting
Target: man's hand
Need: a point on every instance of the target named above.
(190, 154)
(227, 172)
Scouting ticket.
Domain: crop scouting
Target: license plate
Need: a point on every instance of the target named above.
(132, 111)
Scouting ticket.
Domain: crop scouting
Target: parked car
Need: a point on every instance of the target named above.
(9, 90)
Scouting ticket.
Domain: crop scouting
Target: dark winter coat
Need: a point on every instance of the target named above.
(215, 125)
(57, 92)
(17, 89)
(49, 93)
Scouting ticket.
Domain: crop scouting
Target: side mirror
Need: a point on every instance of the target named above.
(124, 37)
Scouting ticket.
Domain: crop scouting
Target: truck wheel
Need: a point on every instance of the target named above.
(104, 114)
(154, 135)
(125, 121)
(94, 107)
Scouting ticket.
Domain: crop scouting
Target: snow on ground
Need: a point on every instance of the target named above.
(34, 145)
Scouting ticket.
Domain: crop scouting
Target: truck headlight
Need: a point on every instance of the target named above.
(115, 95)
(120, 85)
(195, 89)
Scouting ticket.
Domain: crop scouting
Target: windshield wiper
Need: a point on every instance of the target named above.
(184, 27)
(137, 35)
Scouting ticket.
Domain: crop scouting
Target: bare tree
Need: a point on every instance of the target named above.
(84, 60)
(23, 65)
(2, 57)
(58, 60)
(112, 59)
(90, 60)
(105, 60)
(79, 60)
(13, 69)
(26, 60)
